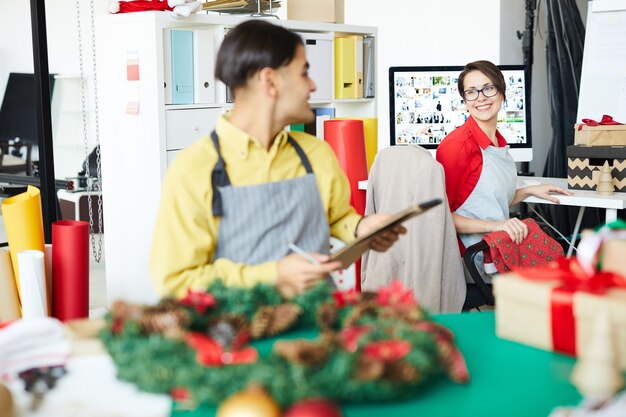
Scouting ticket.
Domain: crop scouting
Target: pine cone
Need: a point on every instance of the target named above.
(261, 321)
(368, 369)
(121, 310)
(272, 320)
(406, 314)
(363, 309)
(303, 352)
(168, 320)
(368, 295)
(400, 371)
(326, 316)
(285, 316)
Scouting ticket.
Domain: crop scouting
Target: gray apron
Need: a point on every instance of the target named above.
(258, 221)
(491, 197)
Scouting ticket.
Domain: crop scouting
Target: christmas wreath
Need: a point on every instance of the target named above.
(370, 346)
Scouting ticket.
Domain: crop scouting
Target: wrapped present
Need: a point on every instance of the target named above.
(603, 249)
(584, 164)
(601, 135)
(613, 259)
(606, 132)
(553, 307)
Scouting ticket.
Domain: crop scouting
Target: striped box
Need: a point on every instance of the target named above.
(584, 164)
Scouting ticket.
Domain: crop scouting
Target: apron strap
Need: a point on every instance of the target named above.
(301, 154)
(219, 176)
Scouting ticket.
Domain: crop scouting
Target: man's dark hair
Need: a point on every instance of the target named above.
(490, 70)
(252, 46)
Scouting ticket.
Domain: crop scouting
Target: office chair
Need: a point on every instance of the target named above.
(479, 293)
(427, 258)
(10, 160)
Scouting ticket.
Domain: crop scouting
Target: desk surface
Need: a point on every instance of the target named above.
(507, 379)
(580, 198)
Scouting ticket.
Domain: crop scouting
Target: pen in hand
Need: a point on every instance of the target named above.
(302, 253)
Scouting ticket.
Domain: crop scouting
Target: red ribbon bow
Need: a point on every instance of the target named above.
(572, 278)
(606, 120)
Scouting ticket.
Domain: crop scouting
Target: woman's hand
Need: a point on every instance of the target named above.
(517, 229)
(543, 191)
(383, 241)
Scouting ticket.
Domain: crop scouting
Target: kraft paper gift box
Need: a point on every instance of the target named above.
(524, 315)
(330, 11)
(584, 164)
(614, 256)
(602, 135)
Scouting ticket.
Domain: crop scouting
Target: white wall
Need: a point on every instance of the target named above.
(411, 32)
(425, 32)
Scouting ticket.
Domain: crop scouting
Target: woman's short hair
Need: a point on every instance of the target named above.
(252, 46)
(490, 70)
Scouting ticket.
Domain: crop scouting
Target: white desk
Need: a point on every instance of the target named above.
(582, 199)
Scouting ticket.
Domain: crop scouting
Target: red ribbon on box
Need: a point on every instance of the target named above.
(572, 278)
(606, 120)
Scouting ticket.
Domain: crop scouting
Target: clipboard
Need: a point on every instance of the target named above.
(353, 251)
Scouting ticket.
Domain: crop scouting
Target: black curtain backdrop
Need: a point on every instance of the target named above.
(566, 37)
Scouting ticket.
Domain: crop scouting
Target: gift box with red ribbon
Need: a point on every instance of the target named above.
(553, 307)
(606, 132)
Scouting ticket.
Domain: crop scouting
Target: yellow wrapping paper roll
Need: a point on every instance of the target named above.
(370, 128)
(24, 225)
(9, 303)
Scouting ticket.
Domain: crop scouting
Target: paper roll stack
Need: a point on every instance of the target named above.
(370, 130)
(9, 302)
(70, 269)
(33, 283)
(24, 226)
(346, 137)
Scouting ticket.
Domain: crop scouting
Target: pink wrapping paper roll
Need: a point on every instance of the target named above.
(347, 139)
(70, 269)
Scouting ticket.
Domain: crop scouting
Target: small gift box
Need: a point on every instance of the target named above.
(601, 135)
(613, 256)
(553, 307)
(606, 132)
(584, 164)
(603, 249)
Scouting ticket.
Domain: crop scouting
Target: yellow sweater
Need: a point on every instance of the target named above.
(185, 235)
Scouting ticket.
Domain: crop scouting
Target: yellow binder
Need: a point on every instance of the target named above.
(349, 67)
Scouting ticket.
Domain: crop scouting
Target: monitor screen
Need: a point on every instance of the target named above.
(425, 105)
(18, 117)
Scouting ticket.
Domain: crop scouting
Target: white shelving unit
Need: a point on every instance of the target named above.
(136, 149)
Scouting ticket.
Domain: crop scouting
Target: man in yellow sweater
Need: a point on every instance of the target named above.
(234, 200)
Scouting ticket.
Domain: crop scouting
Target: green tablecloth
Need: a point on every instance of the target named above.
(507, 379)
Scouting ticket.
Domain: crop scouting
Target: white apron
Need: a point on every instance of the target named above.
(491, 197)
(258, 221)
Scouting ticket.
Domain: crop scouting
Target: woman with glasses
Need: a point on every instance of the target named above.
(481, 176)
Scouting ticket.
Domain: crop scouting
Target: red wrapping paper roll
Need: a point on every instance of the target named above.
(347, 139)
(70, 269)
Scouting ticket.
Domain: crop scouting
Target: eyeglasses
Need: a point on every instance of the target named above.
(472, 94)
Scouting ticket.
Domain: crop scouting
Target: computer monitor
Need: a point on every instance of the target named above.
(18, 118)
(425, 105)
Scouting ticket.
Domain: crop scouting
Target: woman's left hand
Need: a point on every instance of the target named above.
(543, 191)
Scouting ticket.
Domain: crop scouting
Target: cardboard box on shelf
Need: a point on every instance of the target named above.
(330, 11)
(524, 314)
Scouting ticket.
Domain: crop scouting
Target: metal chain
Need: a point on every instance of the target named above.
(97, 253)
